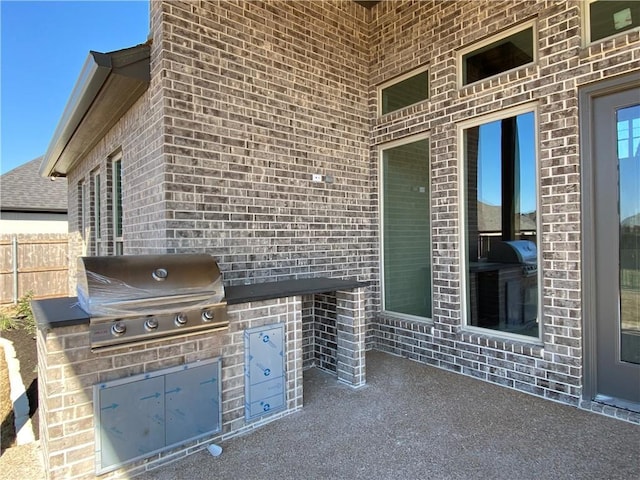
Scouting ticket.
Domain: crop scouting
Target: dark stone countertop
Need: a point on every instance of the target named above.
(288, 288)
(66, 312)
(58, 312)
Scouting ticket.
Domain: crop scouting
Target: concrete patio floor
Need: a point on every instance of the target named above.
(413, 421)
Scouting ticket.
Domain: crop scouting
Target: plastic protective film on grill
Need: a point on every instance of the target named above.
(152, 289)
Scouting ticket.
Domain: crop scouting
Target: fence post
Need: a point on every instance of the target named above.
(14, 263)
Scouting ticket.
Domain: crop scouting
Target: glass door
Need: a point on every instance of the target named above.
(615, 137)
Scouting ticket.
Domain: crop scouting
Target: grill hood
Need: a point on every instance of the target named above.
(514, 251)
(147, 284)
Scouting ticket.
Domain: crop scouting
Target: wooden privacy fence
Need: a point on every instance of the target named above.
(33, 262)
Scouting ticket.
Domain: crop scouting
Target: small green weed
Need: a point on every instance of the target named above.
(19, 316)
(7, 322)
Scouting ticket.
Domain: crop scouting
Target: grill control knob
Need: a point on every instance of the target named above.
(208, 315)
(151, 323)
(181, 319)
(118, 329)
(160, 274)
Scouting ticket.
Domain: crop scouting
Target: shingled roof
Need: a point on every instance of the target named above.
(24, 190)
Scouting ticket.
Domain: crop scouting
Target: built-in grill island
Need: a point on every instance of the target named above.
(156, 359)
(136, 298)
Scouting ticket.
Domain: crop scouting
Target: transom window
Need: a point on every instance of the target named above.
(610, 17)
(404, 91)
(515, 48)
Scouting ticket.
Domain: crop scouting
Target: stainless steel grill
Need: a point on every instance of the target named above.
(135, 298)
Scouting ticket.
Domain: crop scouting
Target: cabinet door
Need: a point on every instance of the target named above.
(266, 353)
(264, 371)
(131, 420)
(192, 399)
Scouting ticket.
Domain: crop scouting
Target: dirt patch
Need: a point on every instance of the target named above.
(8, 433)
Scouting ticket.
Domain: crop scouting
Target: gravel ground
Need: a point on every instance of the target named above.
(22, 463)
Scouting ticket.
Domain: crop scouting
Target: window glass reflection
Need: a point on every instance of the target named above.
(501, 219)
(628, 143)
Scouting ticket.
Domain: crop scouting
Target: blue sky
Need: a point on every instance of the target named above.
(489, 178)
(43, 47)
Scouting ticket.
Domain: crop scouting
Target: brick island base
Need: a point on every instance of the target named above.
(68, 371)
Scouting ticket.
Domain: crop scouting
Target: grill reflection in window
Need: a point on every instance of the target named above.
(501, 206)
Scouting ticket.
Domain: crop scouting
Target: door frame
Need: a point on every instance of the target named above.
(586, 96)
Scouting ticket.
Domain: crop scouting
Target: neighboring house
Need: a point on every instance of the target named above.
(30, 203)
(293, 139)
(34, 251)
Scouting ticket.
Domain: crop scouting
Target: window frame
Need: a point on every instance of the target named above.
(520, 27)
(462, 219)
(83, 213)
(401, 78)
(116, 205)
(380, 149)
(586, 26)
(96, 191)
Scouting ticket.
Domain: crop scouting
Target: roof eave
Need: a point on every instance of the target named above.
(108, 85)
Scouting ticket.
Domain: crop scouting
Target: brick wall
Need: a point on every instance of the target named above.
(69, 370)
(249, 99)
(259, 96)
(430, 33)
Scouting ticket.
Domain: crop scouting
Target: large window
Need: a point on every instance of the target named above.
(404, 91)
(610, 17)
(83, 209)
(116, 172)
(406, 229)
(500, 188)
(97, 213)
(486, 59)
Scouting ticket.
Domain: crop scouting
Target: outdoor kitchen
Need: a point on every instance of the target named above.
(155, 359)
(259, 188)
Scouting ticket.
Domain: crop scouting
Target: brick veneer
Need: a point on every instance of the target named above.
(334, 330)
(68, 370)
(431, 33)
(249, 99)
